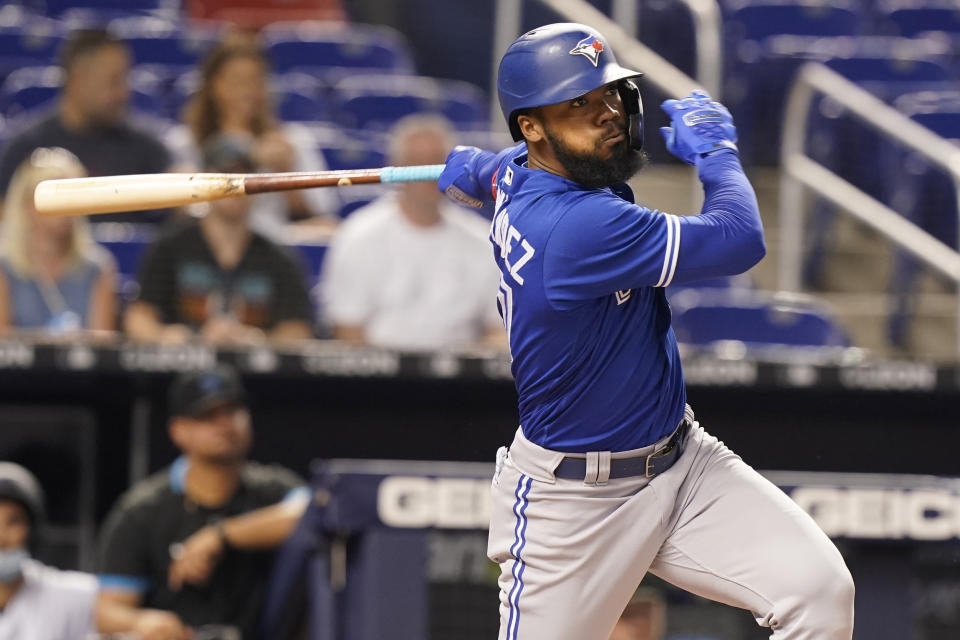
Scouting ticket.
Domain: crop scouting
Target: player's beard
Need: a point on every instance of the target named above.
(591, 171)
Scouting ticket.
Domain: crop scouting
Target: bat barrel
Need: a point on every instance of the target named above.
(111, 194)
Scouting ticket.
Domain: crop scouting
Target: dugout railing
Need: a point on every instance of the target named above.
(799, 172)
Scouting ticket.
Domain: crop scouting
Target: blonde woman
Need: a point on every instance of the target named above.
(53, 276)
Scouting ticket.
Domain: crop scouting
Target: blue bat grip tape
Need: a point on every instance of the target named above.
(421, 173)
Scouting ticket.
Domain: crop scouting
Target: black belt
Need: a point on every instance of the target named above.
(648, 466)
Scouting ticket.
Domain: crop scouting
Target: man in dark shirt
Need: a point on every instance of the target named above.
(219, 279)
(90, 119)
(191, 546)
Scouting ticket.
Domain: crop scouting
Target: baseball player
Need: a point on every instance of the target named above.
(609, 475)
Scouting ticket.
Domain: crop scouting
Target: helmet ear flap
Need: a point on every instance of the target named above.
(633, 106)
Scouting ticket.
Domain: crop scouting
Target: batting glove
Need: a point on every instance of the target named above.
(457, 180)
(700, 127)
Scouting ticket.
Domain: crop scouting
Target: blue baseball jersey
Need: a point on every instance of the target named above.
(581, 294)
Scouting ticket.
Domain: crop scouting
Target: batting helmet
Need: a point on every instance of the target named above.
(19, 485)
(559, 62)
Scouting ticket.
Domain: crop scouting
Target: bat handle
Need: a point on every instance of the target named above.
(421, 173)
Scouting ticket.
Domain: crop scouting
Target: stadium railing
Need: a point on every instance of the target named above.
(799, 172)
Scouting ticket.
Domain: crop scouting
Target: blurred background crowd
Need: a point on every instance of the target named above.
(107, 87)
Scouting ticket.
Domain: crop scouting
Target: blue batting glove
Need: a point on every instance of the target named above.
(700, 127)
(457, 181)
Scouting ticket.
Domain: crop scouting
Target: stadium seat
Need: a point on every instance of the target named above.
(910, 18)
(702, 317)
(758, 94)
(28, 41)
(297, 97)
(30, 88)
(58, 7)
(352, 154)
(377, 101)
(754, 21)
(334, 44)
(155, 40)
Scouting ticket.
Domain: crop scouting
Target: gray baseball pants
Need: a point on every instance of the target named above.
(571, 553)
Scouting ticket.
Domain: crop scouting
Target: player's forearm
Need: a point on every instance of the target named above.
(730, 208)
(264, 528)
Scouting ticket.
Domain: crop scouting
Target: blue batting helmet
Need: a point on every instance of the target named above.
(559, 62)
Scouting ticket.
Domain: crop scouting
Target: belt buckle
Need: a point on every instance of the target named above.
(646, 467)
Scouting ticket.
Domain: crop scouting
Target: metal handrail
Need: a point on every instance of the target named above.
(799, 172)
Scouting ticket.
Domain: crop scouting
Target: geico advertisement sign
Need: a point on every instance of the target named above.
(446, 503)
(921, 514)
(464, 503)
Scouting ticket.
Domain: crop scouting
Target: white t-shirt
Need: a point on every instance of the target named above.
(268, 212)
(410, 287)
(51, 605)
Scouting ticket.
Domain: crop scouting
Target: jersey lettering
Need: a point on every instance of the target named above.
(507, 237)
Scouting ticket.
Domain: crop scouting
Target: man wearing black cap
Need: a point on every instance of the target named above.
(36, 601)
(191, 546)
(216, 278)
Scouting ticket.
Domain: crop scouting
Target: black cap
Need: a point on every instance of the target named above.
(195, 392)
(228, 153)
(21, 486)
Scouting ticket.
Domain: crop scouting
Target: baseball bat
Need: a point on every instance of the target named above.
(110, 194)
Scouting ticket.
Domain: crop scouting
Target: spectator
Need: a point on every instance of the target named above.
(411, 270)
(192, 545)
(644, 618)
(90, 119)
(53, 276)
(217, 278)
(234, 99)
(36, 601)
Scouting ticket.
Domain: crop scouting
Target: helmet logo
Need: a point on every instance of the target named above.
(590, 48)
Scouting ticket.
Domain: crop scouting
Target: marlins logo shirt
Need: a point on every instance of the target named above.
(595, 360)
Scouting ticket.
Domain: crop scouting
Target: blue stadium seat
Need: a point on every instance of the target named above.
(911, 18)
(333, 44)
(377, 101)
(155, 40)
(764, 18)
(92, 17)
(28, 41)
(757, 95)
(352, 154)
(30, 88)
(58, 7)
(297, 97)
(702, 317)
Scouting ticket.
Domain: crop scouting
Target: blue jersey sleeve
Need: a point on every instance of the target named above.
(603, 244)
(727, 237)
